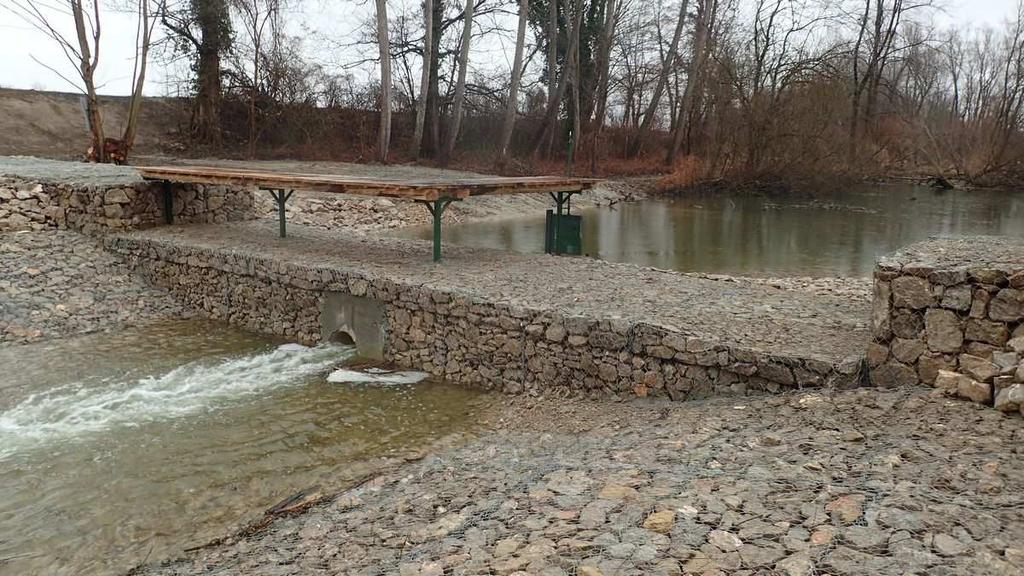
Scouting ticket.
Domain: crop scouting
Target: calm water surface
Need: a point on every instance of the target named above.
(118, 449)
(838, 233)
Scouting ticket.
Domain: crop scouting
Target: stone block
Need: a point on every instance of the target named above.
(949, 381)
(1010, 399)
(881, 311)
(1006, 361)
(893, 374)
(957, 298)
(912, 292)
(978, 368)
(929, 364)
(1007, 305)
(985, 275)
(907, 351)
(980, 392)
(116, 196)
(1016, 344)
(943, 332)
(948, 277)
(877, 354)
(907, 324)
(988, 331)
(979, 303)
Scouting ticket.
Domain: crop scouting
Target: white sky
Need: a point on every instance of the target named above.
(21, 45)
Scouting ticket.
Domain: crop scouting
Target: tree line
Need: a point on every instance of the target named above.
(712, 89)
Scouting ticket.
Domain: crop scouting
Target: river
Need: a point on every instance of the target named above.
(121, 448)
(837, 232)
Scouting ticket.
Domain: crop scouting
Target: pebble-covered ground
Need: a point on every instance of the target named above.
(57, 284)
(860, 482)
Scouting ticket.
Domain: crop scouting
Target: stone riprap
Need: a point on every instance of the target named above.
(864, 482)
(37, 194)
(57, 284)
(515, 322)
(950, 313)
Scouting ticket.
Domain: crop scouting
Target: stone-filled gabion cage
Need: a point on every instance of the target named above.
(950, 313)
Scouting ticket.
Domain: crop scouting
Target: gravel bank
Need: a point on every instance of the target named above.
(57, 284)
(861, 482)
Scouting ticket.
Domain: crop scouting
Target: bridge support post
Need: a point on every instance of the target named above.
(168, 202)
(281, 196)
(437, 208)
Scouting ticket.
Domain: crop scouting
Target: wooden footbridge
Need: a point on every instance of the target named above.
(435, 194)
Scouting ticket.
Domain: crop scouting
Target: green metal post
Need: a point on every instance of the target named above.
(436, 209)
(281, 197)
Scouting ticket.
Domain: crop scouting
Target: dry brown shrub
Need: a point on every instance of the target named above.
(688, 171)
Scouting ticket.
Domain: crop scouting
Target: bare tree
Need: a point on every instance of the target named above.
(550, 121)
(513, 91)
(143, 39)
(384, 47)
(667, 65)
(259, 20)
(421, 102)
(706, 14)
(82, 51)
(604, 50)
(460, 84)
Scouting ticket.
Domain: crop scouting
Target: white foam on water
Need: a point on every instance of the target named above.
(73, 409)
(375, 376)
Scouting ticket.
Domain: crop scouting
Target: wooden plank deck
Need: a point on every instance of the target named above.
(418, 189)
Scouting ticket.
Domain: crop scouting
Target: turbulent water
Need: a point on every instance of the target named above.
(834, 232)
(121, 448)
(76, 410)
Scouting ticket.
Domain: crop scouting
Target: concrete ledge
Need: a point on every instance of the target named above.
(513, 322)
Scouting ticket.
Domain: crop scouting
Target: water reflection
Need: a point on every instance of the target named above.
(838, 233)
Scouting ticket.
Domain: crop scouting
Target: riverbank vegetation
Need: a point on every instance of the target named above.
(739, 91)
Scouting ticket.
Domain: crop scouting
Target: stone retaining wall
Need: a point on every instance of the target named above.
(950, 313)
(467, 339)
(32, 205)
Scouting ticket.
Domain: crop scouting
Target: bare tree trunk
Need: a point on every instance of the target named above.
(383, 45)
(88, 58)
(705, 16)
(652, 107)
(552, 48)
(552, 57)
(460, 84)
(432, 145)
(554, 103)
(604, 61)
(143, 37)
(575, 136)
(421, 103)
(604, 50)
(513, 91)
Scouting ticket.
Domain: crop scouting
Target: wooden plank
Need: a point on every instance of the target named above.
(419, 189)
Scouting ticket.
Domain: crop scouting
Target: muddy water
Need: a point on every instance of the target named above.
(833, 233)
(119, 449)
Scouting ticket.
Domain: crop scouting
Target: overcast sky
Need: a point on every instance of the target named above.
(24, 48)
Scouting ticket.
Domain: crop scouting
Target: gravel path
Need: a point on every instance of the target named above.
(756, 316)
(862, 482)
(56, 284)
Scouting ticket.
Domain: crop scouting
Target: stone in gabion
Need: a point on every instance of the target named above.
(972, 311)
